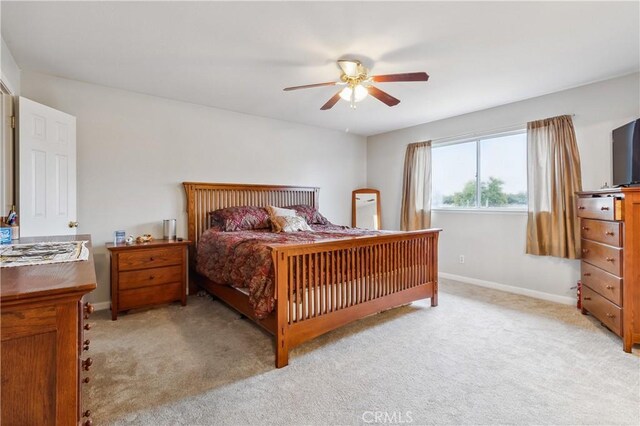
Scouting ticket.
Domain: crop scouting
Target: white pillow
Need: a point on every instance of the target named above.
(290, 224)
(278, 211)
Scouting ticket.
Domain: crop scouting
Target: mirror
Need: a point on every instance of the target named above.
(365, 209)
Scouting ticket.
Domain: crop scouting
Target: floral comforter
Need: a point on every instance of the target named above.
(242, 259)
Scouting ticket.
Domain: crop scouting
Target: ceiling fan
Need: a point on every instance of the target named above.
(358, 84)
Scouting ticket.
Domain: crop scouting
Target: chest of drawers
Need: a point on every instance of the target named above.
(147, 274)
(44, 360)
(610, 267)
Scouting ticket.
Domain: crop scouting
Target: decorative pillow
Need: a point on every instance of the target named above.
(277, 211)
(240, 218)
(312, 215)
(289, 224)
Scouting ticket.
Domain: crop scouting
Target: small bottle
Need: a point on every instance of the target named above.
(12, 217)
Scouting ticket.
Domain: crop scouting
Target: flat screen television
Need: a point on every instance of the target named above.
(626, 154)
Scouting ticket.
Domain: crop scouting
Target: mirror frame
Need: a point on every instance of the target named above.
(353, 205)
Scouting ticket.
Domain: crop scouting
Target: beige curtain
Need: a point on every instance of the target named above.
(554, 177)
(416, 187)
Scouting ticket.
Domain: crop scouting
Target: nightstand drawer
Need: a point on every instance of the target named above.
(148, 258)
(150, 277)
(603, 256)
(147, 296)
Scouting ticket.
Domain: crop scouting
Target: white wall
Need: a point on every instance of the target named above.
(494, 243)
(10, 73)
(135, 150)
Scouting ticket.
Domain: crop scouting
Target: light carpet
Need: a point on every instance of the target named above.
(481, 357)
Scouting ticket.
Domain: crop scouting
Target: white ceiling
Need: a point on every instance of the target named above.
(239, 56)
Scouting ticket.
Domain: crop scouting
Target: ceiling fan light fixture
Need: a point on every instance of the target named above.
(355, 94)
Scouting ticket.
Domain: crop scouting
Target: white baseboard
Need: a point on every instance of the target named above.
(101, 306)
(511, 289)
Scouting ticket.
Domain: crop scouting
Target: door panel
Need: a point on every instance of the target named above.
(46, 170)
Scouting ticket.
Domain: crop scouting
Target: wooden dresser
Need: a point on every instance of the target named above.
(147, 274)
(42, 331)
(610, 268)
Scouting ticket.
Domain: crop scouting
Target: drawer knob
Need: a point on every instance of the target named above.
(87, 413)
(151, 259)
(587, 274)
(86, 344)
(86, 380)
(89, 308)
(610, 315)
(86, 364)
(609, 259)
(580, 207)
(586, 298)
(585, 250)
(609, 233)
(152, 277)
(604, 208)
(585, 228)
(87, 326)
(87, 422)
(609, 287)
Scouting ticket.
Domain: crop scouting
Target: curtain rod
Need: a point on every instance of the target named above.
(470, 135)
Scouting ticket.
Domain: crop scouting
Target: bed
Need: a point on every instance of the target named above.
(316, 284)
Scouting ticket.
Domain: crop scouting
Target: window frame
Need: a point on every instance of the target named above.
(477, 138)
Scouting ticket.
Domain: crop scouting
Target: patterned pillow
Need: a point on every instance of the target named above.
(289, 224)
(311, 214)
(240, 218)
(277, 211)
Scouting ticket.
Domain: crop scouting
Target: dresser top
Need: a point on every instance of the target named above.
(609, 191)
(24, 282)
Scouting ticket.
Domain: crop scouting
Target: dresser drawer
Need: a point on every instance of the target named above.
(604, 208)
(608, 313)
(602, 231)
(147, 296)
(150, 258)
(603, 256)
(150, 277)
(602, 282)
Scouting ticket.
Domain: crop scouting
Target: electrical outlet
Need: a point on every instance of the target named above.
(461, 258)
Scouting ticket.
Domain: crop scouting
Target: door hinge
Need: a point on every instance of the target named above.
(13, 121)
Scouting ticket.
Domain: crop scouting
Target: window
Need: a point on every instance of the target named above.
(484, 173)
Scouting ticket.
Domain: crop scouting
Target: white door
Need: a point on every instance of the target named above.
(46, 170)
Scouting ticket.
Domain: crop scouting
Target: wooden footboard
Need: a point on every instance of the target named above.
(324, 285)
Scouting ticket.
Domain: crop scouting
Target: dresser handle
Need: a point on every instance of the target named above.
(585, 250)
(86, 344)
(585, 228)
(86, 364)
(151, 277)
(586, 298)
(86, 413)
(87, 326)
(151, 259)
(604, 208)
(609, 233)
(587, 274)
(609, 259)
(89, 308)
(87, 422)
(610, 315)
(86, 380)
(609, 287)
(580, 207)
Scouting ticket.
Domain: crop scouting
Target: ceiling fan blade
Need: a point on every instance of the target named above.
(384, 97)
(308, 86)
(331, 102)
(409, 76)
(350, 68)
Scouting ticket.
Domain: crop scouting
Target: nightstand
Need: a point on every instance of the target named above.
(147, 274)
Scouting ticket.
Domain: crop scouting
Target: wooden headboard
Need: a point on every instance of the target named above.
(203, 198)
